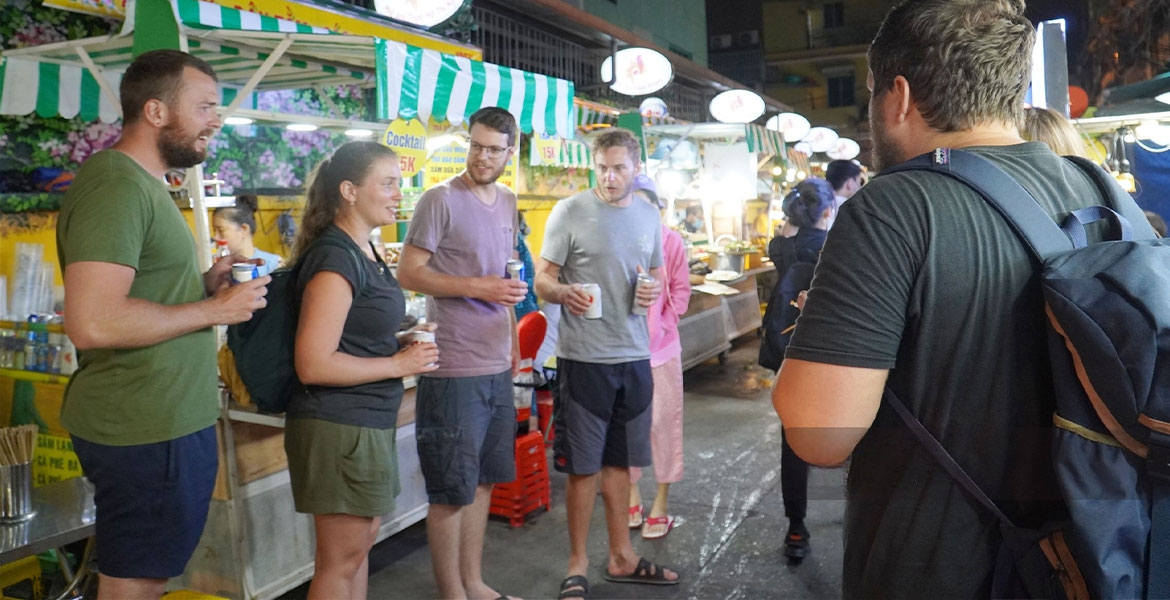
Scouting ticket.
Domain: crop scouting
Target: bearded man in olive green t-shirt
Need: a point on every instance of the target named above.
(142, 405)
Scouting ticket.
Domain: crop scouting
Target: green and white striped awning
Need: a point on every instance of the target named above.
(764, 141)
(209, 15)
(426, 84)
(52, 89)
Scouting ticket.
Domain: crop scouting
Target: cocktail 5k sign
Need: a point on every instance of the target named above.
(409, 140)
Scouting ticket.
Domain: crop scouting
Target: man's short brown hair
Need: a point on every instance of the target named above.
(619, 137)
(156, 75)
(497, 119)
(967, 61)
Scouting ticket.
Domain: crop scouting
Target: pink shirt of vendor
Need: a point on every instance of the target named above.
(664, 315)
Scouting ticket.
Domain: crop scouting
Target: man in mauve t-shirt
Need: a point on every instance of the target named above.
(456, 252)
(923, 287)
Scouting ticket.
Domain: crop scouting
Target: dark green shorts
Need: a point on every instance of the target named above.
(341, 469)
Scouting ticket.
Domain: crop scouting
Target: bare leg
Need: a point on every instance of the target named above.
(444, 526)
(634, 517)
(125, 588)
(615, 482)
(659, 509)
(361, 579)
(471, 545)
(343, 545)
(615, 492)
(579, 500)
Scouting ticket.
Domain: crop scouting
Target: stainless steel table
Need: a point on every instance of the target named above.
(64, 514)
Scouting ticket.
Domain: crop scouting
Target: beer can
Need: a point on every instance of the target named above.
(242, 272)
(594, 291)
(516, 269)
(643, 279)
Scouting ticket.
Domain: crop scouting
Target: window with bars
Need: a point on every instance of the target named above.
(841, 91)
(834, 15)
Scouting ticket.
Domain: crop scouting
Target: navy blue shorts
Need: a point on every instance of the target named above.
(602, 416)
(466, 428)
(151, 502)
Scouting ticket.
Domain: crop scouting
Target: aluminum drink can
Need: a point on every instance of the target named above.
(516, 269)
(242, 272)
(643, 279)
(594, 291)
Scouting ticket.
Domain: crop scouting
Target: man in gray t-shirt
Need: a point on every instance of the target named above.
(456, 252)
(603, 236)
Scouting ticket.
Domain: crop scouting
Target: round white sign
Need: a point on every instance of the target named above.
(821, 139)
(640, 71)
(844, 149)
(803, 148)
(737, 106)
(423, 13)
(793, 126)
(653, 107)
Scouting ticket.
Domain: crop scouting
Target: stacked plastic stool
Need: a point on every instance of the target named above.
(530, 491)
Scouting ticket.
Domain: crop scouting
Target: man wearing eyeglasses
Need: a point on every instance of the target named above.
(456, 252)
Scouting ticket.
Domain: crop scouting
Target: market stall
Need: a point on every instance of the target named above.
(255, 545)
(710, 175)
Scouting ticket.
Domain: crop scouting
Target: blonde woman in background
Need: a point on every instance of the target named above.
(1048, 126)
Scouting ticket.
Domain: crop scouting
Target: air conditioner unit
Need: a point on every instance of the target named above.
(747, 38)
(719, 42)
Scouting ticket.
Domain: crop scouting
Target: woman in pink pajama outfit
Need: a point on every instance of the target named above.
(666, 429)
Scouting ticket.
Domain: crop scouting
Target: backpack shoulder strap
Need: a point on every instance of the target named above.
(329, 240)
(942, 457)
(1114, 196)
(1039, 232)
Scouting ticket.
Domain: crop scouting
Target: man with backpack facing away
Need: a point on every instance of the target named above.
(923, 287)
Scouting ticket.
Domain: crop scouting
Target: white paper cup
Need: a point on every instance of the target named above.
(594, 291)
(242, 272)
(422, 337)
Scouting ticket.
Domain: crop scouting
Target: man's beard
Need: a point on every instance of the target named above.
(884, 152)
(495, 174)
(178, 151)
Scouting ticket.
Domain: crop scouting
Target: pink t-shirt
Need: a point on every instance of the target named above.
(467, 238)
(664, 315)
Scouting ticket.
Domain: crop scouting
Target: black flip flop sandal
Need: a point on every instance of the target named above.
(574, 586)
(646, 572)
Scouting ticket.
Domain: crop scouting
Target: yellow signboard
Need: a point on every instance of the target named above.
(308, 14)
(115, 9)
(409, 140)
(54, 460)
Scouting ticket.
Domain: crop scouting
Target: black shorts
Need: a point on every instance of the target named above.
(466, 428)
(602, 416)
(151, 502)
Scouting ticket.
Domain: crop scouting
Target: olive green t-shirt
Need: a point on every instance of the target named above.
(116, 212)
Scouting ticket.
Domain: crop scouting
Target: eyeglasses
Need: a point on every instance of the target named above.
(492, 151)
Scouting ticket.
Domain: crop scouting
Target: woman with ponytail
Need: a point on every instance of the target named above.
(341, 422)
(810, 207)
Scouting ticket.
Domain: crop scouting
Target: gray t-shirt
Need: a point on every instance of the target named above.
(595, 242)
(467, 238)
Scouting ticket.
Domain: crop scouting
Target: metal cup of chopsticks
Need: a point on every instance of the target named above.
(16, 453)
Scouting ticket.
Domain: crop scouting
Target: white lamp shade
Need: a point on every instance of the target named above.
(821, 139)
(793, 126)
(844, 149)
(737, 106)
(640, 71)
